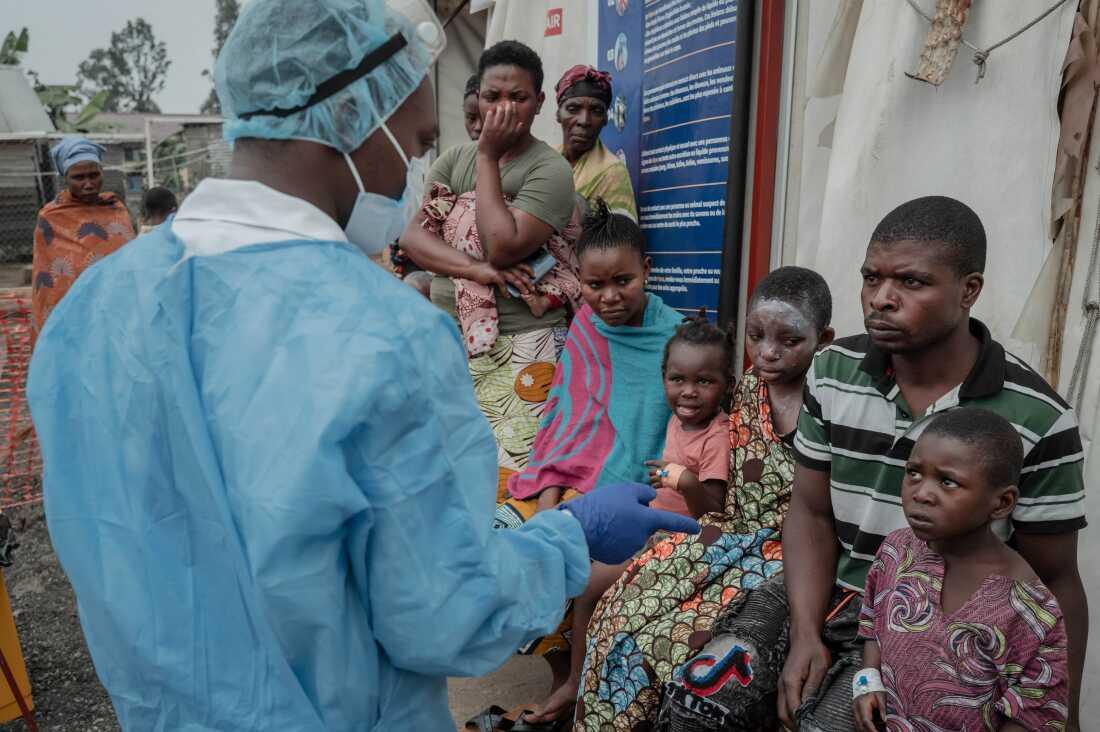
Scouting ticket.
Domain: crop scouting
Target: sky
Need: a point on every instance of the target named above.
(64, 32)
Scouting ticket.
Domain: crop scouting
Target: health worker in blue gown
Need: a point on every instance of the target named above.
(265, 471)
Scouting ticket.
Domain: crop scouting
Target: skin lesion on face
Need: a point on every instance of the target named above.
(696, 381)
(781, 341)
(581, 119)
(613, 284)
(913, 296)
(85, 181)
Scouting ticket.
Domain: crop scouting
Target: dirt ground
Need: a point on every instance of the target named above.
(67, 694)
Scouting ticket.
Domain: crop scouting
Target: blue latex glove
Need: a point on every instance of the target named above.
(617, 520)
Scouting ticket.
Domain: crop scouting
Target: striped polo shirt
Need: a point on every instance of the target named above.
(856, 426)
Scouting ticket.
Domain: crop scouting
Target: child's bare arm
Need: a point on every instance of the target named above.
(538, 303)
(548, 499)
(872, 655)
(866, 705)
(702, 497)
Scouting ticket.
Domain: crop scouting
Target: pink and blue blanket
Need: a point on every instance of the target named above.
(606, 414)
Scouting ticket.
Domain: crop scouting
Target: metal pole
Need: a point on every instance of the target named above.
(148, 153)
(733, 241)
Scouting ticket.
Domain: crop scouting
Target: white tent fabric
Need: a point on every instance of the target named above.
(465, 40)
(883, 138)
(1088, 413)
(991, 145)
(818, 109)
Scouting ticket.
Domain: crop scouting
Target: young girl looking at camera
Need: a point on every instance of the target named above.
(691, 476)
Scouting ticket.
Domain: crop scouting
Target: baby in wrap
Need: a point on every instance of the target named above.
(453, 219)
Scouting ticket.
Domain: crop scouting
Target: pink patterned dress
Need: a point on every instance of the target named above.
(1000, 656)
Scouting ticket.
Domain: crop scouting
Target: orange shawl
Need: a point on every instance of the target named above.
(70, 237)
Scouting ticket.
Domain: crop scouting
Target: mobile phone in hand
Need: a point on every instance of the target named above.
(541, 262)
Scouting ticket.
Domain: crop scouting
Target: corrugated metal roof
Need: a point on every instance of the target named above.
(20, 110)
(164, 125)
(100, 137)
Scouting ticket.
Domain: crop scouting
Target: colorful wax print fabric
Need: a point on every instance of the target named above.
(661, 611)
(70, 237)
(1000, 656)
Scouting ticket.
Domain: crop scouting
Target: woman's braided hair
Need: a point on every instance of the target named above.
(604, 229)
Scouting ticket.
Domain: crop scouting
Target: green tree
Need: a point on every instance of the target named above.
(13, 47)
(67, 109)
(227, 11)
(132, 70)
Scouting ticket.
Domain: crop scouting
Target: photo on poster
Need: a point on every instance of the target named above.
(621, 32)
(618, 113)
(621, 52)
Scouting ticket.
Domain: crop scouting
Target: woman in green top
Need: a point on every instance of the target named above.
(524, 196)
(584, 96)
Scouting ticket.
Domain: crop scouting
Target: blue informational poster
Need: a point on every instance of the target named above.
(684, 70)
(620, 53)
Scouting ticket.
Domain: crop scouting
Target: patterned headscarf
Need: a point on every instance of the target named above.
(584, 81)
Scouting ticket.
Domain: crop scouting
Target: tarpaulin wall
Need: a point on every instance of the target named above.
(868, 138)
(1089, 415)
(562, 32)
(991, 144)
(465, 40)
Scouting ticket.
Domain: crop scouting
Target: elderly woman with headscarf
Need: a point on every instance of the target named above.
(76, 229)
(584, 97)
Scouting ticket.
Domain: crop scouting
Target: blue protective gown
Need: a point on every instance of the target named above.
(272, 489)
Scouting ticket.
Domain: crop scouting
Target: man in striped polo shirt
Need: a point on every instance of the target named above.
(867, 400)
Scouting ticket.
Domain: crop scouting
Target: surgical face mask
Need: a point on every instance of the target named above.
(376, 220)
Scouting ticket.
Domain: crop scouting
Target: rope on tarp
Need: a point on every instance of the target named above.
(454, 15)
(1091, 306)
(981, 55)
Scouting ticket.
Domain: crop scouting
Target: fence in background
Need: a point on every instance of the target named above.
(182, 156)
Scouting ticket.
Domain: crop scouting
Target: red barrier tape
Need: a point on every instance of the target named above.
(20, 458)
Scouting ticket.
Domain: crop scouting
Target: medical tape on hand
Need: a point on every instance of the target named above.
(670, 475)
(866, 681)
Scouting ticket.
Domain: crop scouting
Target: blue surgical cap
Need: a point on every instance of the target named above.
(280, 51)
(75, 149)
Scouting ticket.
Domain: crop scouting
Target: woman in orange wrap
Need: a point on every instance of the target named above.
(78, 228)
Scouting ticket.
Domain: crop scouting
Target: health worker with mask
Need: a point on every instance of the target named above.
(265, 471)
